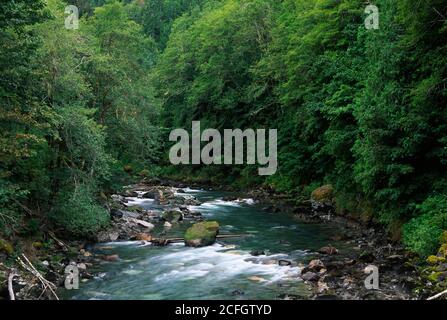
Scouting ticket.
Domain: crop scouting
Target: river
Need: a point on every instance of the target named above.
(226, 270)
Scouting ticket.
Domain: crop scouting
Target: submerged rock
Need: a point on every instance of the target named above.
(112, 258)
(202, 234)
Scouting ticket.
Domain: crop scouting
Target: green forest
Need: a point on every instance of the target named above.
(88, 110)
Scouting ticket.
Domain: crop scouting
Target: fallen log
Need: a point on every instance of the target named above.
(165, 241)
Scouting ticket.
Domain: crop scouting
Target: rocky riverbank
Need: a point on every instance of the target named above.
(340, 274)
(31, 270)
(330, 273)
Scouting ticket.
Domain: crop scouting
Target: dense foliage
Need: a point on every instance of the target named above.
(77, 109)
(361, 109)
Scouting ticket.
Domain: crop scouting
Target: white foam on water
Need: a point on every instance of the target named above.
(248, 201)
(133, 201)
(211, 207)
(220, 264)
(121, 243)
(187, 192)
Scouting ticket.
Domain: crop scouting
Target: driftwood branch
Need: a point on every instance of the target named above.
(45, 283)
(10, 288)
(438, 295)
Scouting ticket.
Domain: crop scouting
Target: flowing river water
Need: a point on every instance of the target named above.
(226, 270)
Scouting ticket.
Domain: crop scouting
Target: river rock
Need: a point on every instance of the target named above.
(148, 195)
(202, 234)
(107, 236)
(284, 263)
(329, 250)
(142, 223)
(322, 196)
(124, 214)
(81, 266)
(315, 265)
(310, 276)
(172, 216)
(257, 253)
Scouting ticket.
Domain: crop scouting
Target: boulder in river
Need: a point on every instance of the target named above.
(284, 263)
(202, 234)
(172, 216)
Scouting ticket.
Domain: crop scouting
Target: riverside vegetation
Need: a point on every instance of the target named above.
(85, 112)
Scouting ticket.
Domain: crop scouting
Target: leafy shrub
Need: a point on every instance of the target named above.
(77, 213)
(422, 233)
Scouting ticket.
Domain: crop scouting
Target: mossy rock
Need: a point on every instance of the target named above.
(432, 260)
(442, 253)
(324, 194)
(444, 237)
(6, 247)
(202, 234)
